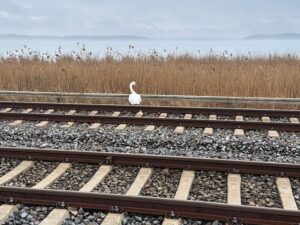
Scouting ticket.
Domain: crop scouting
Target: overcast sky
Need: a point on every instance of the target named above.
(151, 18)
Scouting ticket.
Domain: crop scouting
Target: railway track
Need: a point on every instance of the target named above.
(183, 117)
(170, 187)
(153, 109)
(136, 197)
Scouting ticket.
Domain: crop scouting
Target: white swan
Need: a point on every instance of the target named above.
(134, 98)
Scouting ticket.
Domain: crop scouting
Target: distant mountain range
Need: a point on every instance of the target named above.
(73, 37)
(273, 36)
(295, 36)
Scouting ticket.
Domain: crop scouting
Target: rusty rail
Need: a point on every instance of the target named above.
(155, 206)
(153, 109)
(229, 124)
(193, 163)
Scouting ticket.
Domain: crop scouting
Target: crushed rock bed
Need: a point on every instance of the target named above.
(75, 177)
(279, 119)
(259, 190)
(200, 222)
(256, 145)
(118, 181)
(252, 119)
(138, 219)
(7, 165)
(209, 186)
(175, 115)
(86, 217)
(163, 183)
(222, 117)
(28, 215)
(34, 175)
(200, 116)
(133, 114)
(295, 183)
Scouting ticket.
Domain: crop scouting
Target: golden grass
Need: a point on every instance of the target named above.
(272, 76)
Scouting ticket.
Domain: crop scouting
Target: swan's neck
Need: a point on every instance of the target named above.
(131, 89)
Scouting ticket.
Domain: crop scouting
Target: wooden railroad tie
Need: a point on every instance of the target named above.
(180, 129)
(271, 133)
(210, 130)
(18, 122)
(151, 128)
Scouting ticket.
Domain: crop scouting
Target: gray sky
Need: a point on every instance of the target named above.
(151, 18)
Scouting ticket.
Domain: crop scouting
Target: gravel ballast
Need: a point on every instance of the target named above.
(200, 222)
(34, 175)
(139, 219)
(7, 165)
(163, 183)
(252, 119)
(295, 183)
(256, 145)
(85, 217)
(209, 186)
(259, 190)
(28, 215)
(119, 180)
(279, 119)
(200, 116)
(75, 177)
(222, 117)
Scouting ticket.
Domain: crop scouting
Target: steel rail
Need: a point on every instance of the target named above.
(155, 206)
(222, 99)
(152, 121)
(174, 162)
(153, 109)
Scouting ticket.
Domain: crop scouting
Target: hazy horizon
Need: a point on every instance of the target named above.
(153, 19)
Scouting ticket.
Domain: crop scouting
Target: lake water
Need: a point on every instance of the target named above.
(163, 47)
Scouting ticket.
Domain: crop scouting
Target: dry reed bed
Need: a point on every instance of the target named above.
(272, 76)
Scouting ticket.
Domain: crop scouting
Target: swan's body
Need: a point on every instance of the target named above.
(134, 98)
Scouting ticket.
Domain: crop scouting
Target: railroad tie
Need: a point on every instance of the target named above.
(294, 120)
(151, 128)
(21, 168)
(5, 211)
(123, 125)
(93, 113)
(140, 181)
(53, 176)
(271, 133)
(285, 193)
(93, 182)
(234, 189)
(94, 126)
(239, 132)
(18, 122)
(70, 123)
(134, 190)
(180, 129)
(182, 193)
(97, 178)
(115, 114)
(6, 110)
(45, 123)
(210, 130)
(56, 216)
